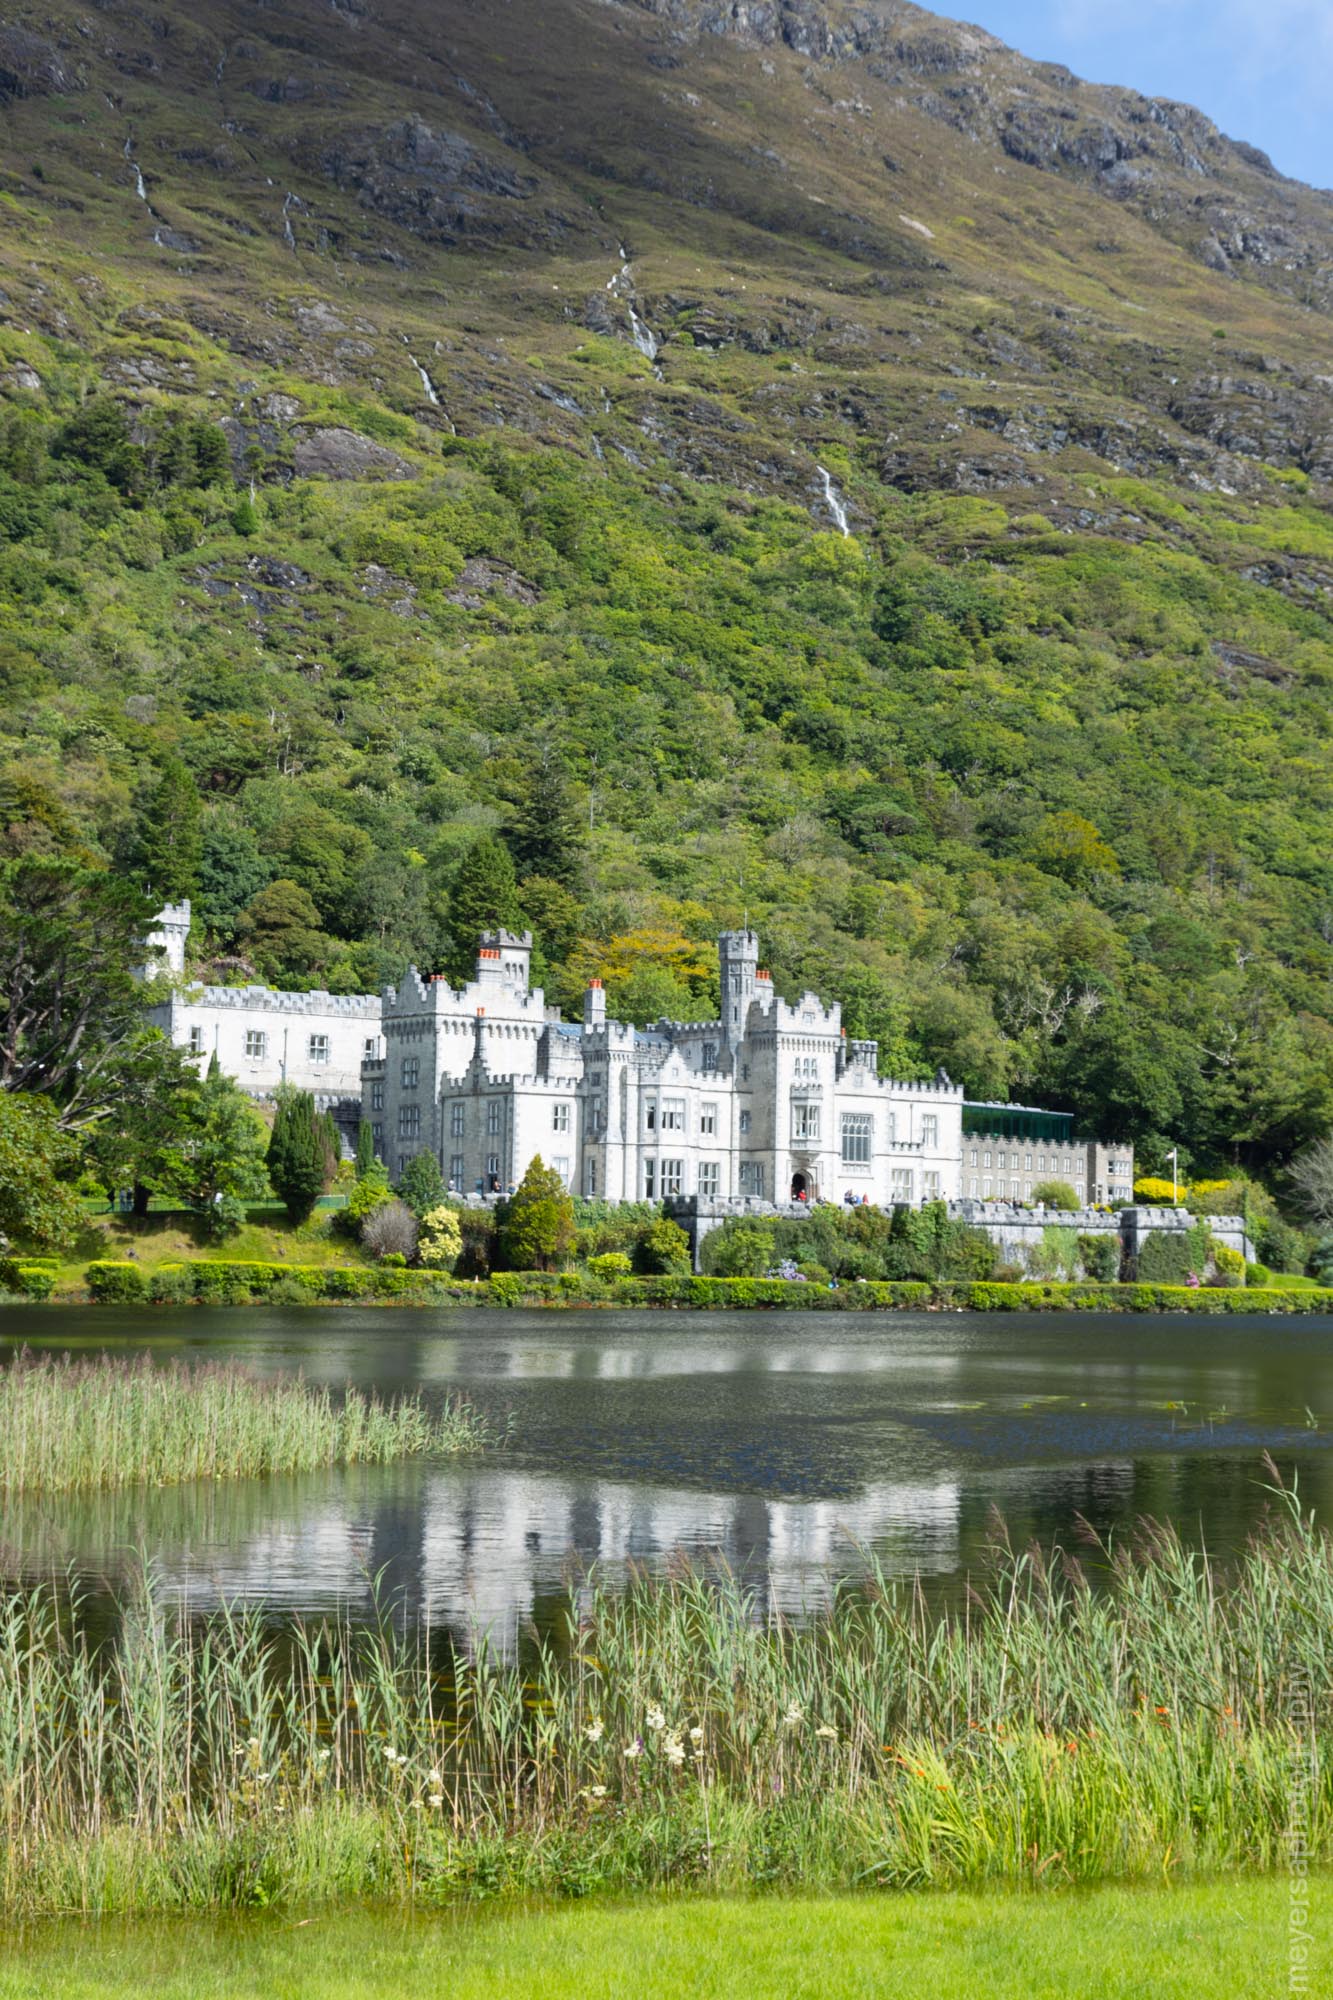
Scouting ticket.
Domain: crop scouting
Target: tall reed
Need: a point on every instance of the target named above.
(1171, 1719)
(66, 1424)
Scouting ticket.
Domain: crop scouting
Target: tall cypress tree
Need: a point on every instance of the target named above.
(365, 1149)
(297, 1161)
(483, 897)
(170, 848)
(544, 831)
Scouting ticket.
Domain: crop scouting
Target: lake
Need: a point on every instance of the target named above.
(788, 1445)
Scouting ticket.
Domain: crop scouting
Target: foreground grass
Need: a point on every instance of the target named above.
(1224, 1940)
(67, 1424)
(1172, 1722)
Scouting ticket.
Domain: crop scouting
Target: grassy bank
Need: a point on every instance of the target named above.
(68, 1424)
(1202, 1941)
(1174, 1721)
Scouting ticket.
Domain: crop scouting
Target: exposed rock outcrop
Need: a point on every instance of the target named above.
(330, 452)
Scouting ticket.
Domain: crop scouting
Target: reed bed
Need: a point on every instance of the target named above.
(67, 1424)
(1170, 1720)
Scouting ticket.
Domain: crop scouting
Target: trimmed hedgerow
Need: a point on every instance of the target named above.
(28, 1277)
(220, 1282)
(115, 1284)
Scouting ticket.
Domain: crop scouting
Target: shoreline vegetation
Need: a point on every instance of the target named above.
(234, 1282)
(1132, 1715)
(69, 1425)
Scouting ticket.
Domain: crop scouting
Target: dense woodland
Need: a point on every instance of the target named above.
(422, 486)
(989, 789)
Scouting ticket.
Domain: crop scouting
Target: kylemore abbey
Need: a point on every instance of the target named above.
(773, 1102)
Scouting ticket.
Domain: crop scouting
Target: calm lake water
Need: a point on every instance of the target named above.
(785, 1444)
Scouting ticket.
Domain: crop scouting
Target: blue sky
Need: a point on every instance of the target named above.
(1262, 69)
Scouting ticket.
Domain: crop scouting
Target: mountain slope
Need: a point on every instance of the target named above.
(558, 341)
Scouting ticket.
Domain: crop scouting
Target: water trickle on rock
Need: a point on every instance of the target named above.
(644, 338)
(426, 382)
(139, 187)
(621, 286)
(833, 501)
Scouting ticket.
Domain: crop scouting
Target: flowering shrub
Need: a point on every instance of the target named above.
(441, 1240)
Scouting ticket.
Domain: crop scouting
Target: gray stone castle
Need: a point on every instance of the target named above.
(770, 1103)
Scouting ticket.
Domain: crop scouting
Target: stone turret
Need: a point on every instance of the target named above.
(171, 929)
(738, 954)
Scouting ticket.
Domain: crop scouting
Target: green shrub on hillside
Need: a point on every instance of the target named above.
(26, 1279)
(738, 1249)
(114, 1283)
(1228, 1264)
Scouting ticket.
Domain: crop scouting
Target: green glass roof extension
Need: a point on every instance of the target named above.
(1017, 1121)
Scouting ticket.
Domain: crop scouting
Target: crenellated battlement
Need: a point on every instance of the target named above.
(353, 1006)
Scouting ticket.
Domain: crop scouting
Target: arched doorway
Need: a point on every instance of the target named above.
(800, 1187)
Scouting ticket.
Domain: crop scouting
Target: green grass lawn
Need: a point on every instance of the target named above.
(1225, 1939)
(266, 1238)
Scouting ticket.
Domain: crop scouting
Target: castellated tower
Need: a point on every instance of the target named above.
(738, 953)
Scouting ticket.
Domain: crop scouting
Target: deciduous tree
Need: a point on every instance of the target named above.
(536, 1225)
(38, 1205)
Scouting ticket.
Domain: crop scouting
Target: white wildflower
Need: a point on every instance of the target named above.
(794, 1716)
(673, 1749)
(595, 1730)
(655, 1719)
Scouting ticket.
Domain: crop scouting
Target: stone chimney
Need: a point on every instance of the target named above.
(594, 1004)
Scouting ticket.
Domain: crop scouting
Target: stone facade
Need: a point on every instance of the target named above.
(1008, 1149)
(771, 1102)
(1016, 1231)
(769, 1099)
(314, 1041)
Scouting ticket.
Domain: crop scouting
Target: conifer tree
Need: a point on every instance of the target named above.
(365, 1149)
(330, 1143)
(483, 897)
(536, 1224)
(297, 1163)
(544, 832)
(170, 847)
(422, 1184)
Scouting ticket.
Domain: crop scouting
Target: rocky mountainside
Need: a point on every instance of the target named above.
(855, 452)
(987, 272)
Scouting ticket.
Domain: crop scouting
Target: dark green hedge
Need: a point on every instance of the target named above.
(28, 1277)
(218, 1281)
